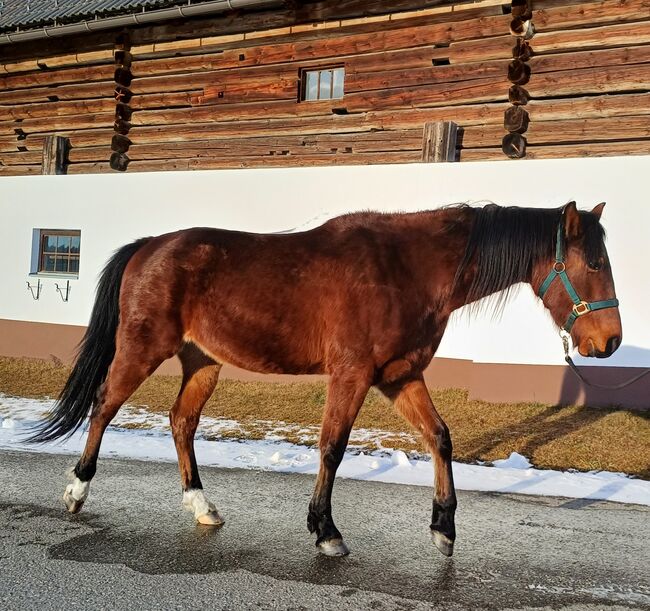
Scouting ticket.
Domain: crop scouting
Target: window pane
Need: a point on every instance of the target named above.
(325, 92)
(63, 244)
(48, 263)
(311, 88)
(49, 243)
(337, 88)
(74, 243)
(61, 264)
(74, 265)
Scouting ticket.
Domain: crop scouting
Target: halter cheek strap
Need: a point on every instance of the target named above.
(580, 307)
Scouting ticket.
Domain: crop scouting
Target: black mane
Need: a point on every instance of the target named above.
(506, 243)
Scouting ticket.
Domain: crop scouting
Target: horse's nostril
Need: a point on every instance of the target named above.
(612, 343)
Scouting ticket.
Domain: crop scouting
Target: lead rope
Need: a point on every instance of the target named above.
(567, 357)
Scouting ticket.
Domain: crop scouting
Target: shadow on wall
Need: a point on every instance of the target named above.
(637, 394)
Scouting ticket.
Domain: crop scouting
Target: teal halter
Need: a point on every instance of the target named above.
(580, 307)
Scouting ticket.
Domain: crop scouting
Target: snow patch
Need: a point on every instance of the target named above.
(512, 475)
(514, 461)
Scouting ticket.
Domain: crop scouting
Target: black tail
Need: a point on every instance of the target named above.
(94, 355)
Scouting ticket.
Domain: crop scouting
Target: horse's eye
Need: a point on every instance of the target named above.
(595, 265)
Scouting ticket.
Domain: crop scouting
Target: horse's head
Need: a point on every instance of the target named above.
(579, 288)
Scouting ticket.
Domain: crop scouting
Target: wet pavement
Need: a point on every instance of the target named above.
(132, 544)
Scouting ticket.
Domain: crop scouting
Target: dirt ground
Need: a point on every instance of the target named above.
(554, 437)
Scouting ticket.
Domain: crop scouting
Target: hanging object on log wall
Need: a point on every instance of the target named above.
(120, 143)
(516, 118)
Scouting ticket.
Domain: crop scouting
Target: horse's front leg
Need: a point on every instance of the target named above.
(346, 392)
(412, 400)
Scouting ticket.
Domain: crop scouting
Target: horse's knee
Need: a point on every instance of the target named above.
(441, 441)
(332, 455)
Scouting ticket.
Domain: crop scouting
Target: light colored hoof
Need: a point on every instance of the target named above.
(76, 493)
(334, 547)
(211, 519)
(204, 511)
(73, 505)
(444, 544)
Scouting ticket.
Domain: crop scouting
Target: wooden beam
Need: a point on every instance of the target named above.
(439, 142)
(55, 152)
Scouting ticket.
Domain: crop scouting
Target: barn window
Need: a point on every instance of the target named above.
(59, 251)
(322, 84)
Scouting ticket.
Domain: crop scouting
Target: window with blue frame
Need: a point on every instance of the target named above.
(59, 251)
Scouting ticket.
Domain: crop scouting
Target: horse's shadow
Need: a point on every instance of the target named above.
(576, 408)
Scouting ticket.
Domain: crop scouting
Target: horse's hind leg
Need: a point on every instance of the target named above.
(345, 395)
(200, 375)
(128, 370)
(412, 400)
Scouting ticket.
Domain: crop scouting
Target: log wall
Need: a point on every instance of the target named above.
(231, 100)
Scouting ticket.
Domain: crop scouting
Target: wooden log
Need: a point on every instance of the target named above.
(518, 72)
(55, 151)
(522, 50)
(20, 170)
(256, 162)
(518, 95)
(516, 119)
(237, 147)
(514, 146)
(500, 46)
(523, 28)
(119, 144)
(563, 131)
(21, 158)
(600, 149)
(439, 142)
(464, 115)
(119, 162)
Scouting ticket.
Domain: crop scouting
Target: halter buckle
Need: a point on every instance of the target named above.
(581, 308)
(559, 267)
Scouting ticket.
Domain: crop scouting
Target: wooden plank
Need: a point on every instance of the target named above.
(55, 153)
(600, 149)
(439, 142)
(237, 147)
(562, 131)
(500, 47)
(255, 162)
(605, 12)
(391, 79)
(20, 170)
(54, 77)
(59, 109)
(383, 40)
(21, 158)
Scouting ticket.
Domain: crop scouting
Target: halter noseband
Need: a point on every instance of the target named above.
(580, 307)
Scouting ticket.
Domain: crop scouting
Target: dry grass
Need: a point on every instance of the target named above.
(551, 437)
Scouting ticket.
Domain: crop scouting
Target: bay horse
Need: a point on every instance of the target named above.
(364, 298)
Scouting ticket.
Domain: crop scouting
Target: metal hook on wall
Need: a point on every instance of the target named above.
(65, 293)
(35, 290)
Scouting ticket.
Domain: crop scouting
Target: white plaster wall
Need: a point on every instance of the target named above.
(111, 210)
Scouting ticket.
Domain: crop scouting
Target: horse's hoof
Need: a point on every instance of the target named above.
(211, 518)
(333, 547)
(444, 544)
(75, 494)
(73, 505)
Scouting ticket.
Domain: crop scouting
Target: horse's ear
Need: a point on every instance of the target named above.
(571, 220)
(598, 210)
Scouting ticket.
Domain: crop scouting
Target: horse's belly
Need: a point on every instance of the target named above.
(256, 356)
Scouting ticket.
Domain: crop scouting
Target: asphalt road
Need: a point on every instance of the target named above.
(133, 546)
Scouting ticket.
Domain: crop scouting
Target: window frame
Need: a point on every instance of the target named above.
(304, 72)
(40, 270)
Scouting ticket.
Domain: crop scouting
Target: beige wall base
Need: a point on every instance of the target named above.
(499, 383)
